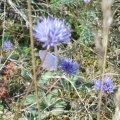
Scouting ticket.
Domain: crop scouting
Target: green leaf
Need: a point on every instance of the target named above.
(26, 74)
(30, 100)
(1, 110)
(64, 84)
(43, 105)
(77, 80)
(47, 75)
(15, 56)
(44, 78)
(57, 111)
(32, 111)
(53, 1)
(60, 104)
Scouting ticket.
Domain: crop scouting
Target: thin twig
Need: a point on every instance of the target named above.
(33, 55)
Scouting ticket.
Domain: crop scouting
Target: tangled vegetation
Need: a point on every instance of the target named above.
(59, 59)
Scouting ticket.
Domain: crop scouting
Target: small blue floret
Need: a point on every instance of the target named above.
(68, 66)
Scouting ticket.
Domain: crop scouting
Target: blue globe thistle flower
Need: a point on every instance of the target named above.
(68, 66)
(7, 45)
(108, 86)
(51, 31)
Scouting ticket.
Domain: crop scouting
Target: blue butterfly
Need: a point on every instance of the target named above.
(49, 62)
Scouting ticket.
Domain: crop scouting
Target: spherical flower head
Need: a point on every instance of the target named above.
(108, 86)
(51, 31)
(87, 1)
(7, 45)
(68, 66)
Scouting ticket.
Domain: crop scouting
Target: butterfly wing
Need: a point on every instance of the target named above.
(49, 62)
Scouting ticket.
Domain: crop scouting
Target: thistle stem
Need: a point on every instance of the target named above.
(56, 57)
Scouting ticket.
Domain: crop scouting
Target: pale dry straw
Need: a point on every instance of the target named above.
(107, 20)
(116, 116)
